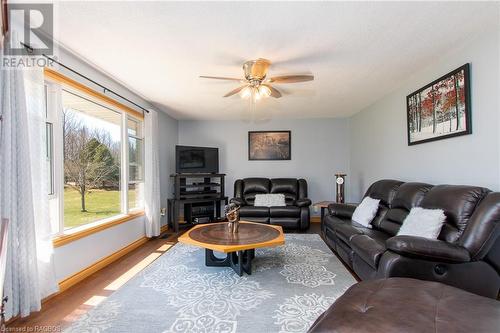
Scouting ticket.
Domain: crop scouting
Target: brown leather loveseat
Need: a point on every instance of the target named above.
(465, 255)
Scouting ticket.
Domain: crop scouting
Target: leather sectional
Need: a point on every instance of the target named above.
(466, 253)
(295, 215)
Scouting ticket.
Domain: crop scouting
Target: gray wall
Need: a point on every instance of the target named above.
(319, 149)
(378, 134)
(84, 67)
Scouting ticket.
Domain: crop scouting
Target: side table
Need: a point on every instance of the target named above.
(324, 206)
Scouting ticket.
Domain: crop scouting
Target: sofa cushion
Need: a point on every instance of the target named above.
(330, 221)
(269, 200)
(288, 211)
(346, 231)
(408, 195)
(368, 249)
(458, 203)
(252, 211)
(286, 222)
(423, 222)
(253, 186)
(384, 190)
(286, 186)
(377, 235)
(366, 211)
(257, 219)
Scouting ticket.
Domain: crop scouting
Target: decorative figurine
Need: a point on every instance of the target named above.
(232, 212)
(340, 180)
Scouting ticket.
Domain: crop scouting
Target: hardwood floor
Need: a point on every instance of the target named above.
(61, 310)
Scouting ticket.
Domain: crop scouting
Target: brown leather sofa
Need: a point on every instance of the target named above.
(295, 215)
(398, 305)
(465, 255)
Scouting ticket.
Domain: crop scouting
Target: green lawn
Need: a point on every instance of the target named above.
(100, 204)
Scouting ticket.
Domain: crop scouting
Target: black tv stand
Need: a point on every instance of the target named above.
(200, 194)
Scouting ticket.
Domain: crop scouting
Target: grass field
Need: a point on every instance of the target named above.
(100, 204)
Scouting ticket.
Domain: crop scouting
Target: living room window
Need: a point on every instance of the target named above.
(92, 154)
(95, 151)
(136, 163)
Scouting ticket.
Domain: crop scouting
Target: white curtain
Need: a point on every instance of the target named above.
(152, 174)
(30, 274)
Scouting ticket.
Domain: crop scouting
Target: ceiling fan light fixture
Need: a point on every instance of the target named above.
(264, 91)
(246, 92)
(256, 85)
(256, 94)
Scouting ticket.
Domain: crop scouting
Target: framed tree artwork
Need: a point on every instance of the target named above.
(441, 109)
(269, 145)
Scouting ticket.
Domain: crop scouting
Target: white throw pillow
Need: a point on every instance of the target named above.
(423, 222)
(270, 200)
(366, 211)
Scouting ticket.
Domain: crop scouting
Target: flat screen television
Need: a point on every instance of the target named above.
(196, 159)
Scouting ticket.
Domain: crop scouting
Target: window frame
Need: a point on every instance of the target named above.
(141, 139)
(142, 158)
(55, 83)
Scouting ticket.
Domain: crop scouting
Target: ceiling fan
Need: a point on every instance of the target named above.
(255, 83)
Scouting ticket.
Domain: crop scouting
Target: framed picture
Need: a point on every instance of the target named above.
(269, 145)
(441, 109)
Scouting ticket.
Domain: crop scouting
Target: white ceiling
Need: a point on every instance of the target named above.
(358, 51)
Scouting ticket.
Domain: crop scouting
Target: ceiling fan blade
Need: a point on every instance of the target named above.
(291, 78)
(274, 92)
(235, 91)
(220, 78)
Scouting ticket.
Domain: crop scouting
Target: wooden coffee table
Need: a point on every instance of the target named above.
(240, 247)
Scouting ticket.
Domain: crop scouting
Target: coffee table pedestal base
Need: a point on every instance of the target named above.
(239, 261)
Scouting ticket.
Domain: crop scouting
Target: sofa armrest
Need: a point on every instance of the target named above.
(238, 201)
(341, 210)
(303, 202)
(430, 249)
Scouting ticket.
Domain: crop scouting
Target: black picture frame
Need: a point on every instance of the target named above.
(273, 152)
(414, 108)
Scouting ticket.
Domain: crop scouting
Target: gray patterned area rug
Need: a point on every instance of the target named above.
(290, 286)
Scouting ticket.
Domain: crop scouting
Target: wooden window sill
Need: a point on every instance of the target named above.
(73, 235)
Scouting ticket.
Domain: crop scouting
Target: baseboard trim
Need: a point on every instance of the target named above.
(86, 272)
(315, 219)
